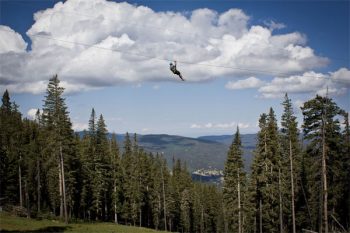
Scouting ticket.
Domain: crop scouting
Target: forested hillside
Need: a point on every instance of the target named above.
(202, 152)
(48, 171)
(195, 152)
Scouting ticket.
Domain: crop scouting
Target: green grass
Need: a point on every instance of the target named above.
(10, 223)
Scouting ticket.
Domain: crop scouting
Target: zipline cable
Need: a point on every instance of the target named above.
(279, 74)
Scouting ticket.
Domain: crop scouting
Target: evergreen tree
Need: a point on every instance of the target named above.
(234, 179)
(291, 152)
(185, 210)
(87, 173)
(60, 142)
(10, 151)
(345, 204)
(128, 166)
(103, 165)
(159, 194)
(322, 130)
(266, 175)
(116, 177)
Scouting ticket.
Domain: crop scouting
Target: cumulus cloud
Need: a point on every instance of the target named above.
(195, 126)
(11, 41)
(251, 82)
(78, 126)
(274, 25)
(32, 112)
(342, 75)
(335, 83)
(297, 104)
(98, 47)
(229, 125)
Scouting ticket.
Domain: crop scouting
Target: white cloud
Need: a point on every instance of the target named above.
(229, 125)
(225, 125)
(78, 126)
(243, 125)
(11, 41)
(342, 76)
(273, 25)
(34, 87)
(195, 126)
(220, 39)
(297, 104)
(32, 112)
(309, 82)
(251, 82)
(332, 91)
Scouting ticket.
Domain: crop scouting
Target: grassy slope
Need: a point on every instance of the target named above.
(16, 224)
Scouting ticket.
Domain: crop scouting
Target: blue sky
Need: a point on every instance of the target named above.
(271, 46)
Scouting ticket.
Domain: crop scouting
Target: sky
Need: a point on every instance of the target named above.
(238, 58)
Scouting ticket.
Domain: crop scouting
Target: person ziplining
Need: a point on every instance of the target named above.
(175, 71)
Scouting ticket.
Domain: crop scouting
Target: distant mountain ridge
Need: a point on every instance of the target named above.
(198, 153)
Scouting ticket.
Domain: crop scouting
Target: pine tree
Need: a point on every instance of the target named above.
(10, 151)
(86, 175)
(322, 129)
(185, 210)
(266, 175)
(291, 149)
(159, 194)
(57, 123)
(128, 166)
(345, 213)
(103, 167)
(116, 177)
(88, 158)
(234, 179)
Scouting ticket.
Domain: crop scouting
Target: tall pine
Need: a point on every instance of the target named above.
(291, 151)
(60, 142)
(234, 182)
(322, 130)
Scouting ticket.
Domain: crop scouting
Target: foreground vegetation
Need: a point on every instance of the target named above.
(49, 171)
(10, 223)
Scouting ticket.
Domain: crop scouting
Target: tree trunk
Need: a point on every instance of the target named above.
(106, 207)
(292, 183)
(20, 182)
(140, 217)
(260, 215)
(170, 228)
(60, 187)
(255, 223)
(239, 203)
(280, 200)
(164, 202)
(38, 184)
(202, 219)
(115, 203)
(63, 188)
(27, 198)
(324, 176)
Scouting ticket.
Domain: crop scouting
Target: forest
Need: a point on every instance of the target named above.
(299, 179)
